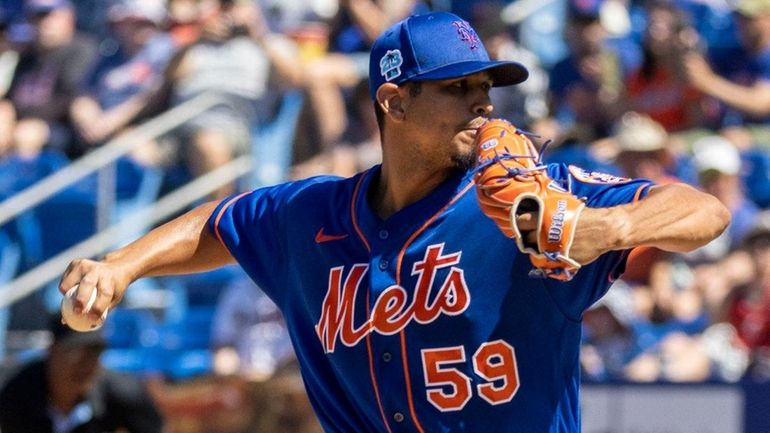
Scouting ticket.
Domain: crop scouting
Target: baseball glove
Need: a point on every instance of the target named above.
(511, 180)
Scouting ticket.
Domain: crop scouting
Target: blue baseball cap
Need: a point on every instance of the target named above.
(435, 46)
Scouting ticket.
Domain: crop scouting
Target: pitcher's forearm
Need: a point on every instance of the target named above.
(183, 245)
(674, 218)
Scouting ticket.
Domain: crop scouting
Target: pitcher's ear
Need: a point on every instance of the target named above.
(390, 100)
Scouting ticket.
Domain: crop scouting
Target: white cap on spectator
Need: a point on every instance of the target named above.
(753, 8)
(640, 133)
(149, 10)
(716, 153)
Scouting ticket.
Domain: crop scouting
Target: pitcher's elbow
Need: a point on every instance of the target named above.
(721, 217)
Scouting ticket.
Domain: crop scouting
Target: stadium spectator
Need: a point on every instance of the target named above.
(719, 173)
(50, 70)
(608, 345)
(522, 104)
(6, 135)
(237, 58)
(27, 160)
(9, 55)
(747, 308)
(740, 78)
(586, 87)
(184, 21)
(330, 75)
(659, 87)
(575, 146)
(9, 58)
(249, 335)
(359, 148)
(669, 314)
(645, 149)
(68, 391)
(120, 85)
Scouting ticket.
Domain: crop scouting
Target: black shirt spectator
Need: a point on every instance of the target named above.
(51, 69)
(68, 392)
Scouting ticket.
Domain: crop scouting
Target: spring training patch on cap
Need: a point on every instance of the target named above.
(390, 64)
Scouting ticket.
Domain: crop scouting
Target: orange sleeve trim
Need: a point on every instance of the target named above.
(640, 190)
(354, 215)
(221, 213)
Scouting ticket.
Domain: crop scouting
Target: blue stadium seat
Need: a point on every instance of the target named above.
(63, 221)
(10, 256)
(24, 231)
(124, 327)
(127, 360)
(180, 349)
(757, 175)
(137, 186)
(54, 225)
(18, 173)
(195, 327)
(190, 363)
(66, 219)
(197, 290)
(192, 331)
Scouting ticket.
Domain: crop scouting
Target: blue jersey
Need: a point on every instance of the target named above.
(426, 321)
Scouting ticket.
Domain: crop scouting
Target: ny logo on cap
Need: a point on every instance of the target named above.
(390, 64)
(467, 34)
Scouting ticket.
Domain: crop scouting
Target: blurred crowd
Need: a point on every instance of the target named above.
(671, 90)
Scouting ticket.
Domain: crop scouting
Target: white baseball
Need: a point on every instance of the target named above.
(80, 322)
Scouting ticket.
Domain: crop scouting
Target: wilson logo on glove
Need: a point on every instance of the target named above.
(557, 222)
(512, 181)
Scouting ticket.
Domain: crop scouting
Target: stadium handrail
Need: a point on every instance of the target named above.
(98, 160)
(171, 203)
(106, 154)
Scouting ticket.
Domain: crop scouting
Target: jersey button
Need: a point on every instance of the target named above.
(383, 264)
(398, 417)
(383, 234)
(387, 356)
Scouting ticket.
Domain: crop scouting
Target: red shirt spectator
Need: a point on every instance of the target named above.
(751, 319)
